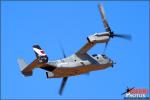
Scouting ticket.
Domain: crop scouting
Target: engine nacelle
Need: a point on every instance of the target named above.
(99, 37)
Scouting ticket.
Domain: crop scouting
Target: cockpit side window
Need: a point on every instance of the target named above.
(94, 55)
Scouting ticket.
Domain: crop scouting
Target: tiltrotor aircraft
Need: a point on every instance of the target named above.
(79, 63)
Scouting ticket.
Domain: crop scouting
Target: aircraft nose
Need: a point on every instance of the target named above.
(112, 62)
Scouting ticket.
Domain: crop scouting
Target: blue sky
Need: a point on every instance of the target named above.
(45, 23)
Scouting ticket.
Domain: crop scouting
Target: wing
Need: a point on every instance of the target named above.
(85, 48)
(92, 40)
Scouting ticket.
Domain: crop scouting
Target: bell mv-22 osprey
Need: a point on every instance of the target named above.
(79, 63)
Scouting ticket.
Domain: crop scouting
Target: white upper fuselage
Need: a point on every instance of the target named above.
(75, 61)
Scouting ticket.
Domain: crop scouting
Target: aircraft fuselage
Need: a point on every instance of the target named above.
(75, 65)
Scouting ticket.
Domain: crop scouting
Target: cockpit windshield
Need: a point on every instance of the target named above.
(104, 56)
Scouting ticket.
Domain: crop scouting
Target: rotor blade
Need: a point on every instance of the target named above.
(62, 50)
(127, 87)
(105, 47)
(124, 36)
(63, 85)
(123, 93)
(101, 10)
(132, 88)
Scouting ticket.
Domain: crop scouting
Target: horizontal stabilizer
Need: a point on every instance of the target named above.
(22, 63)
(25, 68)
